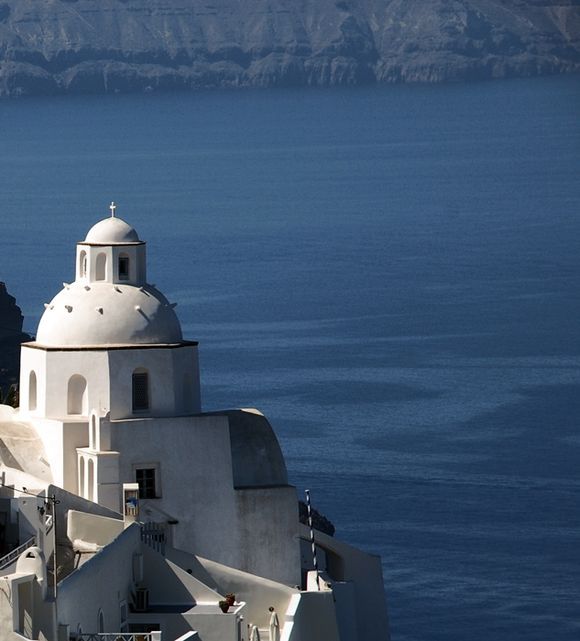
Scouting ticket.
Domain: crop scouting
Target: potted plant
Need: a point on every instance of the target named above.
(224, 606)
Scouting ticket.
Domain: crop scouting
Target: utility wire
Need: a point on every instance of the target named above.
(52, 498)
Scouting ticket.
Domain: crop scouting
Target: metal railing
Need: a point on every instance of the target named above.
(7, 560)
(154, 535)
(119, 636)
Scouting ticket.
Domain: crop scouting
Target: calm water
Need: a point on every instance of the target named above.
(393, 276)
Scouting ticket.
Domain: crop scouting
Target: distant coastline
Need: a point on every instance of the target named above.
(71, 47)
(11, 336)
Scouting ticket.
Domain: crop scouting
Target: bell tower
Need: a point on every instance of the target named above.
(112, 253)
(109, 341)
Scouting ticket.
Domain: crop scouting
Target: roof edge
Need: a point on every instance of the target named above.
(108, 348)
(128, 242)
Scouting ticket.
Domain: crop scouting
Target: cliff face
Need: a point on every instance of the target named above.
(11, 336)
(52, 46)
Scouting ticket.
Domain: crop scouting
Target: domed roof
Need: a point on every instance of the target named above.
(105, 314)
(112, 231)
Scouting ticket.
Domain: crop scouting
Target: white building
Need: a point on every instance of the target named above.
(110, 408)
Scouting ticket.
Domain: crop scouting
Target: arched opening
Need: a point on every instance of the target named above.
(83, 264)
(32, 390)
(82, 476)
(77, 395)
(101, 622)
(93, 433)
(123, 267)
(90, 479)
(101, 267)
(140, 390)
(187, 393)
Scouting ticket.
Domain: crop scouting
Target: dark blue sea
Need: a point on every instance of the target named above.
(392, 275)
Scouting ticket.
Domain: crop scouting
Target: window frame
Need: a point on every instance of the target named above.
(156, 469)
(138, 408)
(125, 273)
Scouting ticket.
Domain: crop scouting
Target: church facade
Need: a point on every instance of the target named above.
(110, 402)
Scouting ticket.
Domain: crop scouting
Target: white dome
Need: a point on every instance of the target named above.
(103, 314)
(112, 231)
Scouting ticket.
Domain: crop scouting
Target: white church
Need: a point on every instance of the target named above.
(128, 513)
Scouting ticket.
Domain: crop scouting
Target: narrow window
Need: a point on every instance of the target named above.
(91, 480)
(187, 393)
(93, 437)
(82, 476)
(101, 267)
(123, 614)
(145, 477)
(32, 391)
(140, 391)
(83, 264)
(123, 267)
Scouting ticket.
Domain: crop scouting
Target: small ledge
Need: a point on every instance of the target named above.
(108, 346)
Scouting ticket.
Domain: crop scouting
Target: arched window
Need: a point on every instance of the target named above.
(93, 444)
(82, 476)
(140, 390)
(83, 264)
(90, 479)
(123, 267)
(101, 622)
(187, 393)
(101, 267)
(77, 395)
(32, 390)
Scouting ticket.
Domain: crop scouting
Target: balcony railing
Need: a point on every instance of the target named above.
(118, 636)
(154, 535)
(5, 561)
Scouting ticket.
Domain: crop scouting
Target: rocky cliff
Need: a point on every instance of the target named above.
(11, 336)
(55, 46)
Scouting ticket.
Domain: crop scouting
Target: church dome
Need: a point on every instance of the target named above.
(112, 231)
(105, 314)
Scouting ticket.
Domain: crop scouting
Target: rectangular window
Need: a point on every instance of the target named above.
(146, 478)
(140, 391)
(123, 268)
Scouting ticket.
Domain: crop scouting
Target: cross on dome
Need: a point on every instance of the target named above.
(112, 207)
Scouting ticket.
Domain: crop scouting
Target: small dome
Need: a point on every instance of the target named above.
(112, 231)
(104, 314)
